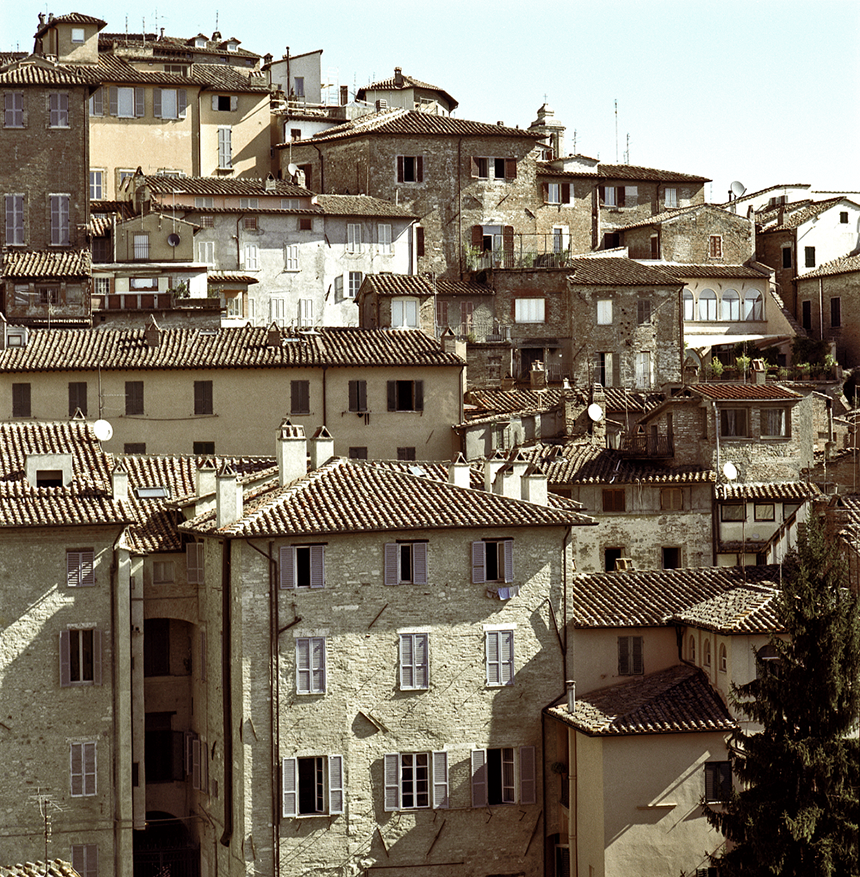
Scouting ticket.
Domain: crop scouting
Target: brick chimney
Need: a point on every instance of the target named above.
(291, 452)
(321, 447)
(228, 497)
(398, 77)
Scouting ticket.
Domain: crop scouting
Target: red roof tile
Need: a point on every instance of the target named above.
(744, 392)
(37, 263)
(618, 271)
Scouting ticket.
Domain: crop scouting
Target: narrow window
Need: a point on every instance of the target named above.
(835, 312)
(310, 665)
(14, 109)
(82, 757)
(77, 398)
(59, 220)
(300, 397)
(718, 781)
(203, 397)
(355, 279)
(21, 400)
(405, 395)
(406, 453)
(358, 396)
(14, 220)
(499, 648)
(133, 397)
(96, 185)
(715, 246)
(59, 110)
(707, 305)
(671, 197)
(80, 657)
(384, 235)
(414, 661)
(630, 662)
(806, 315)
(604, 312)
(225, 148)
(643, 311)
(786, 257)
(353, 238)
(809, 257)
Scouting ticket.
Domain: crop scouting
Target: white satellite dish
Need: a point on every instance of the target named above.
(173, 239)
(292, 169)
(730, 470)
(103, 430)
(595, 412)
(737, 188)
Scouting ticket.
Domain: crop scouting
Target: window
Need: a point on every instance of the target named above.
(843, 217)
(806, 315)
(609, 196)
(156, 647)
(765, 511)
(358, 395)
(552, 193)
(604, 374)
(730, 306)
(13, 104)
(753, 305)
(249, 223)
(383, 234)
(295, 133)
(14, 219)
(643, 311)
(734, 422)
(707, 305)
(406, 454)
(406, 395)
(141, 246)
(225, 148)
(499, 656)
(224, 103)
(406, 562)
(769, 662)
(404, 313)
(642, 369)
(143, 282)
(835, 312)
(133, 397)
(251, 254)
(529, 310)
(671, 499)
(614, 499)
(630, 661)
(410, 169)
(21, 400)
(80, 657)
(306, 223)
(723, 660)
(204, 202)
(481, 168)
(409, 783)
(493, 560)
(48, 295)
(706, 656)
(194, 563)
(353, 238)
(414, 661)
(310, 665)
(169, 103)
(610, 558)
(494, 776)
(692, 649)
(202, 448)
(203, 397)
(732, 511)
(419, 240)
(302, 566)
(300, 397)
(59, 110)
(21, 299)
(715, 246)
(77, 397)
(59, 220)
(162, 572)
(358, 453)
(718, 781)
(249, 203)
(77, 34)
(97, 185)
(604, 312)
(85, 859)
(355, 279)
(774, 422)
(291, 257)
(82, 758)
(671, 197)
(809, 257)
(206, 253)
(441, 312)
(312, 786)
(299, 86)
(671, 557)
(786, 257)
(305, 312)
(127, 103)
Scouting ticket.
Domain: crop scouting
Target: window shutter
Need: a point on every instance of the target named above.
(545, 190)
(89, 758)
(289, 789)
(419, 563)
(725, 780)
(418, 389)
(506, 657)
(392, 395)
(156, 103)
(399, 172)
(195, 764)
(510, 168)
(214, 101)
(335, 784)
(353, 396)
(622, 195)
(97, 657)
(508, 244)
(509, 559)
(419, 169)
(65, 659)
(303, 666)
(194, 563)
(565, 193)
(113, 100)
(392, 781)
(528, 781)
(419, 240)
(422, 661)
(181, 102)
(623, 655)
(473, 165)
(637, 654)
(710, 790)
(362, 395)
(440, 780)
(479, 777)
(494, 670)
(139, 105)
(287, 577)
(479, 560)
(76, 769)
(98, 102)
(407, 661)
(318, 664)
(477, 236)
(601, 193)
(234, 103)
(392, 572)
(317, 566)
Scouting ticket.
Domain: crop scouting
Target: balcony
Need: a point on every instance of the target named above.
(648, 446)
(520, 251)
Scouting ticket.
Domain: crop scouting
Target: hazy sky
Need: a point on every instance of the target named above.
(760, 91)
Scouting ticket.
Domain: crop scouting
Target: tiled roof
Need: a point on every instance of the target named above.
(63, 263)
(346, 496)
(111, 69)
(744, 392)
(418, 284)
(745, 609)
(674, 212)
(225, 77)
(519, 401)
(124, 208)
(786, 491)
(748, 196)
(796, 216)
(739, 272)
(406, 82)
(56, 868)
(414, 122)
(653, 598)
(842, 265)
(546, 169)
(244, 186)
(620, 399)
(100, 224)
(675, 700)
(618, 271)
(70, 18)
(40, 72)
(360, 205)
(633, 172)
(215, 277)
(244, 347)
(170, 46)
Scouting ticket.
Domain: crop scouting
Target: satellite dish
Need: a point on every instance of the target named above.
(730, 470)
(737, 188)
(103, 430)
(595, 412)
(173, 239)
(292, 169)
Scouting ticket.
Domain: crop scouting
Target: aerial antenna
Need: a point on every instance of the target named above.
(616, 131)
(216, 19)
(627, 151)
(574, 141)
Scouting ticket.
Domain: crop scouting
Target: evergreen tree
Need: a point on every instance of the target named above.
(796, 809)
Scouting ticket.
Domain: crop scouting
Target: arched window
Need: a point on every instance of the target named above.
(753, 305)
(731, 305)
(707, 305)
(689, 305)
(693, 649)
(771, 662)
(723, 660)
(707, 651)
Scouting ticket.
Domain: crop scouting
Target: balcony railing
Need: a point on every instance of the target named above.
(647, 446)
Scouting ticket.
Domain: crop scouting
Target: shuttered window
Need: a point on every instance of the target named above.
(194, 563)
(414, 661)
(406, 562)
(59, 110)
(718, 781)
(500, 657)
(493, 561)
(416, 780)
(225, 147)
(406, 395)
(85, 859)
(14, 219)
(495, 776)
(312, 786)
(82, 758)
(21, 400)
(203, 397)
(59, 220)
(302, 566)
(134, 397)
(310, 665)
(630, 662)
(300, 397)
(13, 106)
(358, 396)
(80, 569)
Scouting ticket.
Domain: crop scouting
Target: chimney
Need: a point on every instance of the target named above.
(205, 477)
(292, 453)
(152, 333)
(216, 36)
(271, 184)
(460, 472)
(491, 469)
(119, 481)
(398, 77)
(534, 486)
(570, 685)
(321, 448)
(273, 336)
(450, 344)
(537, 376)
(508, 482)
(228, 497)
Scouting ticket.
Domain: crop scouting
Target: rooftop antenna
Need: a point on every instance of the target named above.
(616, 131)
(574, 141)
(627, 151)
(216, 20)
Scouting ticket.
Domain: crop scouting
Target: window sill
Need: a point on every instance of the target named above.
(668, 805)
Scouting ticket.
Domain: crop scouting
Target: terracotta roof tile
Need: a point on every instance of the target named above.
(796, 215)
(113, 70)
(360, 205)
(41, 72)
(242, 186)
(70, 18)
(545, 169)
(634, 172)
(216, 277)
(497, 402)
(618, 271)
(676, 700)
(716, 270)
(788, 491)
(244, 347)
(842, 265)
(35, 264)
(744, 392)
(416, 284)
(225, 77)
(406, 82)
(56, 868)
(155, 45)
(745, 609)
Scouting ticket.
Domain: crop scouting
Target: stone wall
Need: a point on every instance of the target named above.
(846, 337)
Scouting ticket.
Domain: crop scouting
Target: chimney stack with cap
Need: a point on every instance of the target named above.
(292, 453)
(321, 447)
(228, 497)
(460, 472)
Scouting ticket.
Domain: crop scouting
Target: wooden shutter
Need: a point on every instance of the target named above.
(392, 564)
(623, 655)
(392, 395)
(419, 240)
(419, 563)
(181, 102)
(418, 395)
(354, 402)
(528, 779)
(419, 169)
(335, 784)
(194, 563)
(65, 659)
(508, 551)
(287, 578)
(473, 166)
(303, 665)
(399, 172)
(97, 657)
(80, 571)
(289, 788)
(637, 654)
(113, 101)
(234, 104)
(391, 768)
(479, 562)
(407, 660)
(440, 780)
(710, 781)
(76, 769)
(98, 102)
(317, 553)
(621, 195)
(318, 664)
(506, 657)
(214, 101)
(89, 765)
(565, 193)
(508, 245)
(493, 658)
(156, 102)
(479, 777)
(510, 168)
(601, 194)
(478, 236)
(139, 102)
(545, 190)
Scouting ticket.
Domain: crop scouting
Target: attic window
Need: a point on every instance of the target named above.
(49, 478)
(160, 492)
(200, 42)
(77, 34)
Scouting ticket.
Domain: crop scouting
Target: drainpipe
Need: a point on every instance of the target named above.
(714, 523)
(821, 308)
(227, 690)
(325, 369)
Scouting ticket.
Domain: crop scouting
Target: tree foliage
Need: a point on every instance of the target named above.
(795, 811)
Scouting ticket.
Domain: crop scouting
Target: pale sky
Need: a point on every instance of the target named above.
(760, 91)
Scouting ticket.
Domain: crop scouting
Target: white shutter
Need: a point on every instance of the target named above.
(397, 313)
(318, 664)
(196, 773)
(89, 758)
(479, 777)
(225, 149)
(506, 657)
(335, 784)
(391, 767)
(289, 789)
(287, 576)
(419, 563)
(215, 102)
(407, 661)
(317, 553)
(194, 563)
(392, 564)
(528, 780)
(234, 103)
(440, 780)
(493, 667)
(508, 546)
(303, 666)
(479, 560)
(76, 769)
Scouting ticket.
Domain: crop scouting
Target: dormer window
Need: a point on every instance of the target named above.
(77, 34)
(48, 470)
(200, 42)
(49, 478)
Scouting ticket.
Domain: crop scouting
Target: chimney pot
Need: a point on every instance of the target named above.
(292, 453)
(321, 448)
(570, 685)
(460, 472)
(119, 481)
(228, 497)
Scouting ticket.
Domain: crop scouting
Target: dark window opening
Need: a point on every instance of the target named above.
(133, 397)
(21, 400)
(134, 448)
(671, 557)
(81, 665)
(224, 103)
(300, 397)
(156, 647)
(809, 256)
(835, 313)
(311, 785)
(405, 395)
(786, 257)
(614, 499)
(203, 397)
(610, 555)
(77, 397)
(303, 567)
(49, 478)
(203, 448)
(806, 315)
(500, 776)
(406, 454)
(358, 453)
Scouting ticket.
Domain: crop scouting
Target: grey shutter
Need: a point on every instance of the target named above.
(440, 780)
(528, 780)
(506, 657)
(97, 657)
(479, 777)
(493, 658)
(89, 765)
(318, 664)
(407, 660)
(289, 788)
(353, 396)
(392, 395)
(317, 553)
(98, 102)
(637, 654)
(565, 193)
(710, 773)
(418, 389)
(473, 166)
(234, 103)
(479, 561)
(399, 172)
(76, 769)
(65, 659)
(181, 102)
(362, 395)
(156, 103)
(419, 169)
(139, 102)
(113, 101)
(419, 563)
(335, 784)
(391, 769)
(214, 101)
(287, 578)
(303, 665)
(623, 655)
(508, 548)
(392, 566)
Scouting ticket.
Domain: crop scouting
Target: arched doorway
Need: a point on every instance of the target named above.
(165, 848)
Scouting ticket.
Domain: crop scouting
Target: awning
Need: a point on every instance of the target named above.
(698, 342)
